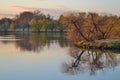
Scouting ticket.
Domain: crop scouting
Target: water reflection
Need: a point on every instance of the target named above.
(55, 51)
(90, 61)
(34, 41)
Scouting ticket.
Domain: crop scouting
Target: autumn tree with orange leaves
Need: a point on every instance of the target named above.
(90, 26)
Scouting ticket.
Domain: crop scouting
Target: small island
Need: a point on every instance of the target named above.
(93, 30)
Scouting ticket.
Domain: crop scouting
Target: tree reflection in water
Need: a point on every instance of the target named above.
(89, 61)
(36, 41)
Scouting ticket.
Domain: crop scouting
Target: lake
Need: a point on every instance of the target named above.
(48, 56)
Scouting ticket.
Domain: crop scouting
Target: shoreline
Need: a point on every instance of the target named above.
(107, 44)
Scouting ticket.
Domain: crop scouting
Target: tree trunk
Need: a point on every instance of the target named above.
(79, 31)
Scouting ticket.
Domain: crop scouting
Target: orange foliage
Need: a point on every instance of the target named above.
(91, 26)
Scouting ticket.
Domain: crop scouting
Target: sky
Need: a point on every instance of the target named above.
(9, 8)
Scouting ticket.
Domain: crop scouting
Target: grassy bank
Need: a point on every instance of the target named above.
(111, 44)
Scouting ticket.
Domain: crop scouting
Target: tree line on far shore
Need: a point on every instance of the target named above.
(31, 21)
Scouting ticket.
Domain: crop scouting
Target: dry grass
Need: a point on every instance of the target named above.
(100, 44)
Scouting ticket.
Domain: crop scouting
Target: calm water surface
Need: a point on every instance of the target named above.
(50, 57)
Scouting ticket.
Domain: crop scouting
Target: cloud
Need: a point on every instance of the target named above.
(21, 8)
(53, 12)
(61, 7)
(15, 10)
(6, 15)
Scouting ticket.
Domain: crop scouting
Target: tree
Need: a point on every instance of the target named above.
(5, 23)
(60, 27)
(90, 26)
(23, 20)
(37, 15)
(12, 26)
(102, 25)
(37, 25)
(75, 23)
(40, 24)
(33, 24)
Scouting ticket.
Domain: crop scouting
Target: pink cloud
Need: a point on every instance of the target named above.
(53, 12)
(18, 9)
(21, 8)
(6, 15)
